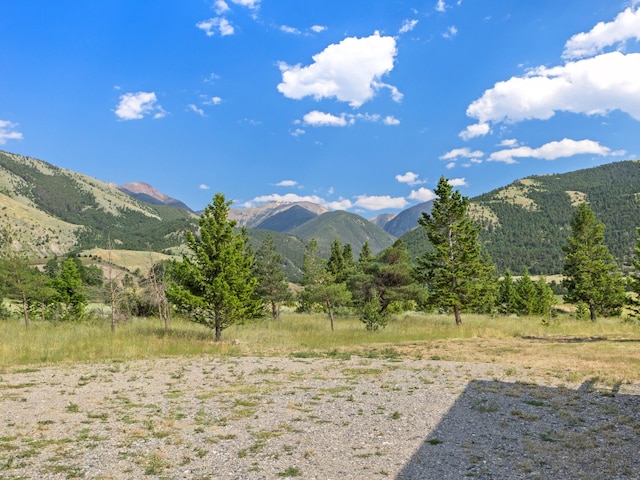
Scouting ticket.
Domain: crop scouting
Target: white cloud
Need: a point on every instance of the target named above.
(221, 24)
(626, 26)
(409, 178)
(457, 182)
(350, 71)
(553, 150)
(212, 78)
(451, 32)
(441, 6)
(450, 165)
(253, 4)
(477, 130)
(422, 195)
(408, 25)
(212, 101)
(461, 152)
(8, 132)
(134, 106)
(509, 142)
(195, 109)
(220, 6)
(287, 183)
(379, 202)
(318, 28)
(321, 119)
(202, 186)
(298, 131)
(342, 204)
(287, 29)
(591, 86)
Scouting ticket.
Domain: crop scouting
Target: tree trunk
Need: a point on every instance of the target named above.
(275, 313)
(456, 313)
(25, 309)
(592, 312)
(330, 309)
(218, 327)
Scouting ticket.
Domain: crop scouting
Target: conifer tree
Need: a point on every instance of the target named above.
(526, 295)
(214, 283)
(591, 274)
(457, 272)
(507, 294)
(634, 303)
(272, 284)
(320, 285)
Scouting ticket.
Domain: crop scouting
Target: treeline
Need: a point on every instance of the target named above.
(222, 280)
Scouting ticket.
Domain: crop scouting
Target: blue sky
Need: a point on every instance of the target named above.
(357, 105)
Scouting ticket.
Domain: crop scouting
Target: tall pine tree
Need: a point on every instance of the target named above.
(591, 274)
(458, 274)
(272, 282)
(214, 283)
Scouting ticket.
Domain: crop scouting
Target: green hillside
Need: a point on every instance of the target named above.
(348, 227)
(94, 213)
(526, 223)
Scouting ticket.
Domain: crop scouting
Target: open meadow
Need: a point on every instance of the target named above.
(493, 398)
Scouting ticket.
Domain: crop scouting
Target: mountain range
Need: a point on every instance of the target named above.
(53, 211)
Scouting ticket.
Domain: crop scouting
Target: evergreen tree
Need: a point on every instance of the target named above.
(526, 295)
(546, 297)
(458, 274)
(320, 285)
(69, 294)
(214, 284)
(634, 303)
(365, 254)
(591, 274)
(507, 295)
(272, 282)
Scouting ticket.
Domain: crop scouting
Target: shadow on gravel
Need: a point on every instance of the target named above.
(499, 430)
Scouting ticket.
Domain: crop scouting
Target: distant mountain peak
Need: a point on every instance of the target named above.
(148, 193)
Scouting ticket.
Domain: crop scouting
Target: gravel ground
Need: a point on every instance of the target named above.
(311, 418)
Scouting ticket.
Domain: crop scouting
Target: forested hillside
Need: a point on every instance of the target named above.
(98, 213)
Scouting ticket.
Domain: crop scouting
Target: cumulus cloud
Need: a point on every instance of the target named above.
(509, 142)
(409, 178)
(219, 24)
(341, 204)
(298, 131)
(134, 106)
(422, 195)
(318, 28)
(591, 86)
(287, 183)
(316, 118)
(553, 150)
(220, 6)
(477, 130)
(204, 187)
(350, 71)
(407, 26)
(625, 26)
(461, 152)
(213, 101)
(288, 29)
(8, 131)
(253, 4)
(322, 119)
(457, 182)
(441, 6)
(380, 202)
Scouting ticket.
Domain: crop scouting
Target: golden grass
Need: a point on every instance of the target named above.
(569, 349)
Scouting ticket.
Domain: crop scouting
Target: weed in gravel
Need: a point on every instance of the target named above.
(396, 415)
(529, 417)
(155, 464)
(73, 408)
(482, 405)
